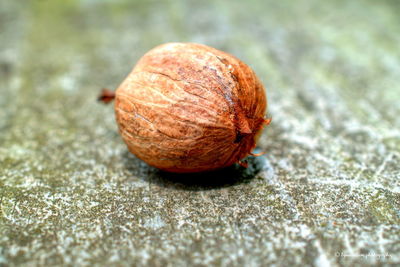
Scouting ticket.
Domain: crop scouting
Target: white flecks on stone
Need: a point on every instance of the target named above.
(154, 223)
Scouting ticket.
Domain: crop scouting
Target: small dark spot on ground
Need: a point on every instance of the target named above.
(5, 68)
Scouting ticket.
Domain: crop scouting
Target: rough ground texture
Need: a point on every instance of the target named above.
(327, 193)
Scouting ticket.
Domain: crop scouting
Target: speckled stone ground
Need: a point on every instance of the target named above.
(327, 193)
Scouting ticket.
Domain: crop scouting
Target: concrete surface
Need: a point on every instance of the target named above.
(327, 193)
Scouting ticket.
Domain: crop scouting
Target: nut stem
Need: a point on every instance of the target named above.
(106, 96)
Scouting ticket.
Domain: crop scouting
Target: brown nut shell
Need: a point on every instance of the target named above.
(188, 107)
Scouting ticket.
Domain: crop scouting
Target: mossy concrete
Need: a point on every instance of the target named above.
(327, 193)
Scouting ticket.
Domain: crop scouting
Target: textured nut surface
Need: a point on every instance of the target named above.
(188, 107)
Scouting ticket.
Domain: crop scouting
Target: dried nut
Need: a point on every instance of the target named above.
(188, 107)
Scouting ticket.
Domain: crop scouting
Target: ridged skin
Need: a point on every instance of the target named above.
(188, 107)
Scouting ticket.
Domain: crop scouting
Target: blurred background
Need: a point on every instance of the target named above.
(326, 193)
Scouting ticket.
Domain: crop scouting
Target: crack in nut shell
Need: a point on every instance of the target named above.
(188, 107)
